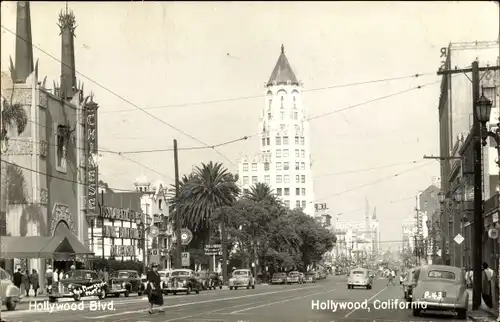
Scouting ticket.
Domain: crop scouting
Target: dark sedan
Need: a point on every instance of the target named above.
(124, 282)
(80, 283)
(183, 280)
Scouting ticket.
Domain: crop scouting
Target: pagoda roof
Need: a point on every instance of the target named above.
(282, 73)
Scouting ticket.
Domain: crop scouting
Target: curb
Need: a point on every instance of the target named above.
(488, 317)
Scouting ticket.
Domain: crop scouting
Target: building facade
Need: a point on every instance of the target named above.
(284, 161)
(43, 156)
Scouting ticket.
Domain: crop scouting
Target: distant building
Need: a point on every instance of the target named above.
(284, 161)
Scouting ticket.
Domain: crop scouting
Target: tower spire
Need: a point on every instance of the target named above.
(67, 25)
(24, 47)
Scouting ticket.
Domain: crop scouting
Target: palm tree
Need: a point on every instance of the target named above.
(13, 114)
(262, 192)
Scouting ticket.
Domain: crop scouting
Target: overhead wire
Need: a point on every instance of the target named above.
(367, 169)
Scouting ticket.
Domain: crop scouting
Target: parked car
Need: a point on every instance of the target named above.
(440, 288)
(10, 294)
(359, 277)
(183, 280)
(215, 280)
(80, 283)
(124, 282)
(204, 279)
(164, 277)
(408, 284)
(310, 277)
(279, 278)
(242, 278)
(294, 277)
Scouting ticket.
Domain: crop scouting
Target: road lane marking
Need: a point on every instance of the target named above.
(282, 301)
(210, 312)
(206, 301)
(371, 298)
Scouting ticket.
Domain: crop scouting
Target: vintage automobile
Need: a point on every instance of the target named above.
(165, 277)
(440, 288)
(214, 281)
(10, 294)
(204, 279)
(80, 283)
(124, 282)
(242, 278)
(408, 284)
(279, 278)
(359, 277)
(310, 277)
(294, 277)
(183, 280)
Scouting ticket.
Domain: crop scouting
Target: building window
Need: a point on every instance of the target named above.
(245, 180)
(62, 148)
(297, 204)
(160, 206)
(278, 166)
(270, 103)
(286, 166)
(287, 178)
(297, 179)
(302, 166)
(287, 204)
(268, 141)
(287, 191)
(279, 191)
(282, 116)
(297, 154)
(254, 180)
(297, 166)
(282, 102)
(285, 140)
(302, 140)
(278, 140)
(285, 153)
(303, 204)
(302, 153)
(282, 127)
(266, 166)
(303, 179)
(297, 191)
(263, 142)
(267, 179)
(295, 115)
(3, 223)
(278, 153)
(297, 140)
(245, 166)
(294, 102)
(279, 179)
(303, 191)
(254, 166)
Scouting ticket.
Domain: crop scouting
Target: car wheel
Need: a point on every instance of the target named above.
(235, 288)
(52, 299)
(175, 293)
(127, 293)
(11, 305)
(188, 290)
(462, 314)
(253, 287)
(139, 293)
(230, 288)
(220, 287)
(248, 286)
(76, 297)
(117, 294)
(102, 294)
(416, 312)
(198, 291)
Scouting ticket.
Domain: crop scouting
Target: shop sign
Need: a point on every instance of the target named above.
(90, 139)
(120, 232)
(120, 214)
(122, 250)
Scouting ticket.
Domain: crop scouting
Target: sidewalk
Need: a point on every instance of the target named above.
(484, 313)
(25, 299)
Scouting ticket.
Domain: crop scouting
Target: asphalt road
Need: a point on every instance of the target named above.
(265, 303)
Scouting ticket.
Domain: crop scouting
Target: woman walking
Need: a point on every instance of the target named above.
(155, 293)
(27, 282)
(35, 281)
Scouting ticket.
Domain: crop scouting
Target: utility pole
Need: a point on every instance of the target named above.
(478, 179)
(178, 261)
(224, 246)
(101, 214)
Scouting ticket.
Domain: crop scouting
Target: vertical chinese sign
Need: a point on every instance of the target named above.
(91, 159)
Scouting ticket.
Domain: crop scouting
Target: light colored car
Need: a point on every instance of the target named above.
(359, 277)
(242, 278)
(165, 278)
(279, 278)
(294, 277)
(10, 294)
(310, 277)
(440, 288)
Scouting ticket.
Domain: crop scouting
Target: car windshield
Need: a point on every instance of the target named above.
(180, 273)
(79, 275)
(240, 273)
(441, 274)
(358, 273)
(294, 274)
(279, 275)
(310, 273)
(163, 274)
(119, 275)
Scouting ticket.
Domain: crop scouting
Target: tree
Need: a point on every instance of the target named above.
(13, 115)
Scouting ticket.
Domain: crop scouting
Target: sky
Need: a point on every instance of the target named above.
(204, 65)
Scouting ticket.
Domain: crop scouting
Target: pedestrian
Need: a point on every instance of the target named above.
(56, 277)
(391, 277)
(106, 275)
(100, 274)
(35, 282)
(486, 292)
(155, 293)
(18, 278)
(27, 282)
(61, 275)
(49, 275)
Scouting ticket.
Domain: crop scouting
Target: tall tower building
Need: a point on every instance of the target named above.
(284, 161)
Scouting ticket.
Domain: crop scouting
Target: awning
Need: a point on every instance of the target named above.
(28, 247)
(76, 244)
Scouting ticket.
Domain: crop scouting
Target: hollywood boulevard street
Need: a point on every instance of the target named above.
(307, 302)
